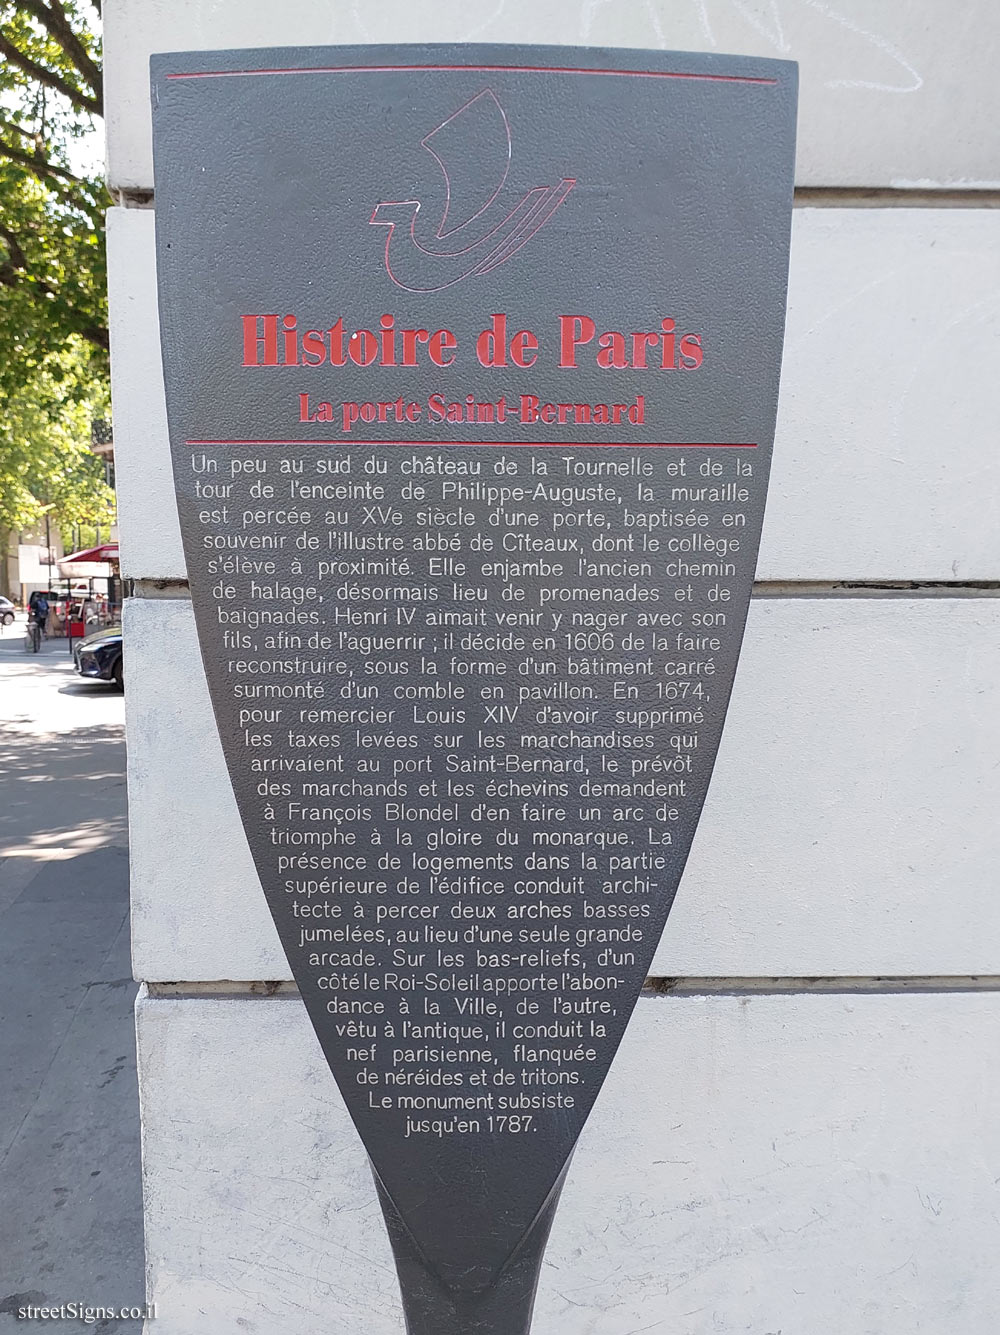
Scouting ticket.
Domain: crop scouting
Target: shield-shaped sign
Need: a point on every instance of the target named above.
(472, 361)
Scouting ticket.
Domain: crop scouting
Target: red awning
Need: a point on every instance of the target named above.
(107, 552)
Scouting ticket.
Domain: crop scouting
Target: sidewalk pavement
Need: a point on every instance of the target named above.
(70, 1196)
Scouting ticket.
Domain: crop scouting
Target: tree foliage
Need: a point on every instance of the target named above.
(45, 445)
(46, 465)
(53, 316)
(52, 270)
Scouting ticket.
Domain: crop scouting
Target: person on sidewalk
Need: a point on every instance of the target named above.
(40, 611)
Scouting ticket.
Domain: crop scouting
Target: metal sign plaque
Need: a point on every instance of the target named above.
(472, 361)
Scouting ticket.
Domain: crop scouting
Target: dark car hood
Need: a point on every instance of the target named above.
(104, 636)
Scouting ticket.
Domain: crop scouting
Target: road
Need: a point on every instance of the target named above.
(70, 1196)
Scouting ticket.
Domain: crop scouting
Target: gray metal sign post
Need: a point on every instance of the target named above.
(472, 361)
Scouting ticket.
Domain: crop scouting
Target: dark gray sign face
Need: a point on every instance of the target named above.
(472, 363)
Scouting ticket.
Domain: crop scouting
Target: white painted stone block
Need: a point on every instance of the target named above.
(850, 828)
(808, 1163)
(149, 534)
(892, 94)
(193, 882)
(885, 463)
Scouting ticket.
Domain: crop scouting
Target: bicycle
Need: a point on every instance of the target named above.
(33, 638)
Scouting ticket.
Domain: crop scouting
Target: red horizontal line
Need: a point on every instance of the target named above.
(475, 69)
(530, 444)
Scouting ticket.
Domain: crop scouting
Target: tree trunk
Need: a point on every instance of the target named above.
(5, 582)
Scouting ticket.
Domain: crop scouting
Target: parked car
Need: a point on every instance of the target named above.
(99, 656)
(7, 610)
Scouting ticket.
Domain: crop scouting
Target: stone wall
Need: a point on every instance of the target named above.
(800, 1131)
